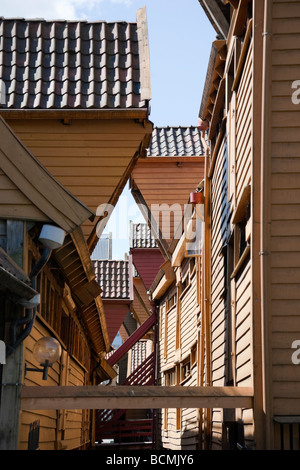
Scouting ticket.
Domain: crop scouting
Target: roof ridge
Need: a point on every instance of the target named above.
(63, 20)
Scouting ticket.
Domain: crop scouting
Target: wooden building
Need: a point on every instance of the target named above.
(250, 111)
(128, 312)
(66, 307)
(176, 155)
(74, 121)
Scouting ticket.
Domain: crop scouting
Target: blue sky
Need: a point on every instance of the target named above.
(180, 38)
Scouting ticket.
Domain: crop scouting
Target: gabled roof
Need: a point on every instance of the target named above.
(162, 182)
(114, 279)
(176, 141)
(69, 64)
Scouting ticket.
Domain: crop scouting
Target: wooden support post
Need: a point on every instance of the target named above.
(127, 397)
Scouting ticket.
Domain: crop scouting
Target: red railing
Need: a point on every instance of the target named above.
(126, 432)
(111, 424)
(143, 374)
(132, 340)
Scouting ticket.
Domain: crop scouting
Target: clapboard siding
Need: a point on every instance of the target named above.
(243, 327)
(284, 206)
(238, 332)
(88, 157)
(244, 126)
(219, 233)
(49, 420)
(169, 435)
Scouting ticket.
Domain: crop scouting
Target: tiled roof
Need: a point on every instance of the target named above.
(69, 64)
(176, 141)
(114, 278)
(141, 236)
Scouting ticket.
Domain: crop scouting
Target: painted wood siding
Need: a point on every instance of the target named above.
(220, 213)
(231, 324)
(166, 183)
(58, 428)
(171, 435)
(244, 126)
(88, 157)
(284, 208)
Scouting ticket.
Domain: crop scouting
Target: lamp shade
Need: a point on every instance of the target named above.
(52, 237)
(47, 349)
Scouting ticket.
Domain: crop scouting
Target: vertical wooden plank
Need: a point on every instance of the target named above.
(11, 382)
(142, 31)
(15, 240)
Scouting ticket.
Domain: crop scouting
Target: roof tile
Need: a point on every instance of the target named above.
(176, 141)
(69, 64)
(113, 277)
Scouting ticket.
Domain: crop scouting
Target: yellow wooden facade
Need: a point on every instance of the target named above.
(252, 219)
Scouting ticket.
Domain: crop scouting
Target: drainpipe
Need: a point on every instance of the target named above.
(265, 222)
(155, 348)
(30, 313)
(207, 293)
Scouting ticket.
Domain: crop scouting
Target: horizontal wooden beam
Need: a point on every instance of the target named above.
(138, 397)
(133, 113)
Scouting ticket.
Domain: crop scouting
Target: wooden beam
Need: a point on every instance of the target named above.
(132, 340)
(138, 397)
(216, 16)
(142, 32)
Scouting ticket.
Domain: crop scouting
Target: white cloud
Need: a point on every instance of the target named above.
(55, 9)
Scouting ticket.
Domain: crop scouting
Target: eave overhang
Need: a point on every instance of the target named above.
(76, 265)
(13, 280)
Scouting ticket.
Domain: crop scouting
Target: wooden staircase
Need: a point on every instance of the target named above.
(113, 430)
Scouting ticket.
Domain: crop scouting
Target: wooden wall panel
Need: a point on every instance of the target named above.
(56, 431)
(168, 180)
(219, 235)
(244, 127)
(88, 157)
(284, 206)
(47, 418)
(170, 436)
(234, 335)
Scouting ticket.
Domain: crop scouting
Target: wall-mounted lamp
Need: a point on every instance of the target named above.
(46, 351)
(52, 237)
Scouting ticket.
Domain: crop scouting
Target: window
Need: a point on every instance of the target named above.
(193, 355)
(242, 230)
(185, 369)
(166, 335)
(172, 300)
(54, 312)
(170, 377)
(185, 283)
(192, 266)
